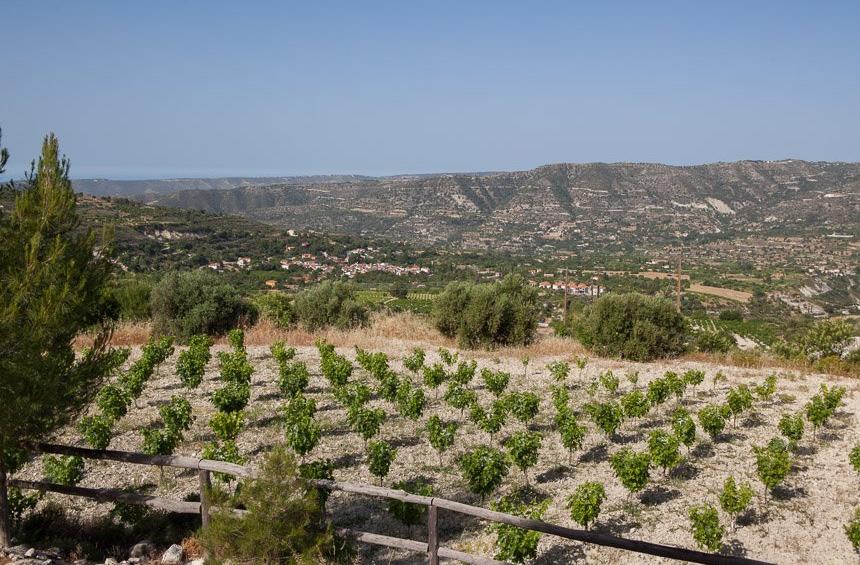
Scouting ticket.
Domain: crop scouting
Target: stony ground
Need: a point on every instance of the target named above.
(801, 524)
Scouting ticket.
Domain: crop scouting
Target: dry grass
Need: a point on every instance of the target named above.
(406, 328)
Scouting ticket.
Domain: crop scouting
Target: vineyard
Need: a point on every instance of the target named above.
(745, 462)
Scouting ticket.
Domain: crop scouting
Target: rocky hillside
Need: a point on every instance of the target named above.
(565, 205)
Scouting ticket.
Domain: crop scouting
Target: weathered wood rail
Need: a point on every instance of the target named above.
(431, 547)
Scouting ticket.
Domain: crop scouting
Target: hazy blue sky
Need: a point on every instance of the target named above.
(194, 88)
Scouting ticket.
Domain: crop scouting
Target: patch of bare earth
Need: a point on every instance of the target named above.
(802, 523)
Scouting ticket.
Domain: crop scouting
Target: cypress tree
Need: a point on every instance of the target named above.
(54, 277)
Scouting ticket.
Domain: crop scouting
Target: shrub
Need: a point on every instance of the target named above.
(133, 297)
(459, 397)
(277, 307)
(302, 434)
(522, 448)
(65, 470)
(283, 524)
(192, 362)
(318, 470)
(293, 378)
(572, 434)
(766, 390)
(559, 370)
(731, 316)
(408, 513)
(694, 377)
(663, 448)
(96, 430)
(609, 381)
(448, 357)
(197, 302)
(434, 376)
(330, 303)
(854, 458)
(353, 394)
(739, 399)
(484, 468)
(488, 315)
(232, 397)
(632, 326)
(415, 361)
(365, 421)
(380, 456)
(631, 468)
(113, 401)
(827, 338)
(410, 401)
(490, 421)
(635, 404)
(495, 381)
(523, 405)
(712, 421)
(281, 353)
(607, 416)
(517, 544)
(335, 368)
(159, 441)
(227, 425)
(585, 502)
(465, 372)
(684, 427)
(735, 498)
(706, 527)
(773, 463)
(658, 391)
(441, 434)
(852, 530)
(792, 428)
(675, 384)
(714, 341)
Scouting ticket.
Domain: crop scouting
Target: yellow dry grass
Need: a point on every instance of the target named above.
(729, 293)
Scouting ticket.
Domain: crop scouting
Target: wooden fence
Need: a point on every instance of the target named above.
(431, 547)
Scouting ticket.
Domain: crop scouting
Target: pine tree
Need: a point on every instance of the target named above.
(54, 281)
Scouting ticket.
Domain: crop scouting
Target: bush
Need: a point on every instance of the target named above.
(488, 315)
(632, 326)
(277, 307)
(852, 530)
(284, 522)
(584, 504)
(380, 456)
(631, 468)
(197, 302)
(133, 297)
(827, 338)
(854, 458)
(719, 341)
(517, 544)
(731, 316)
(65, 470)
(329, 303)
(523, 450)
(408, 513)
(773, 463)
(707, 530)
(484, 469)
(735, 498)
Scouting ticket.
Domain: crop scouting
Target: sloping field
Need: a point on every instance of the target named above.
(801, 523)
(729, 293)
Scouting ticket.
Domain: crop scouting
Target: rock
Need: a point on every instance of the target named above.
(18, 550)
(196, 562)
(111, 561)
(30, 552)
(135, 560)
(174, 555)
(142, 549)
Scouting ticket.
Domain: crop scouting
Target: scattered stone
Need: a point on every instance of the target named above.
(111, 561)
(30, 552)
(142, 549)
(174, 555)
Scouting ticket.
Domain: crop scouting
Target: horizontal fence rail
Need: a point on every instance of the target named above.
(431, 547)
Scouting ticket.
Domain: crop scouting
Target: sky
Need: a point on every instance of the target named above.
(162, 89)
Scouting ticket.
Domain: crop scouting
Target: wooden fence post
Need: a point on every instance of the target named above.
(432, 535)
(205, 485)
